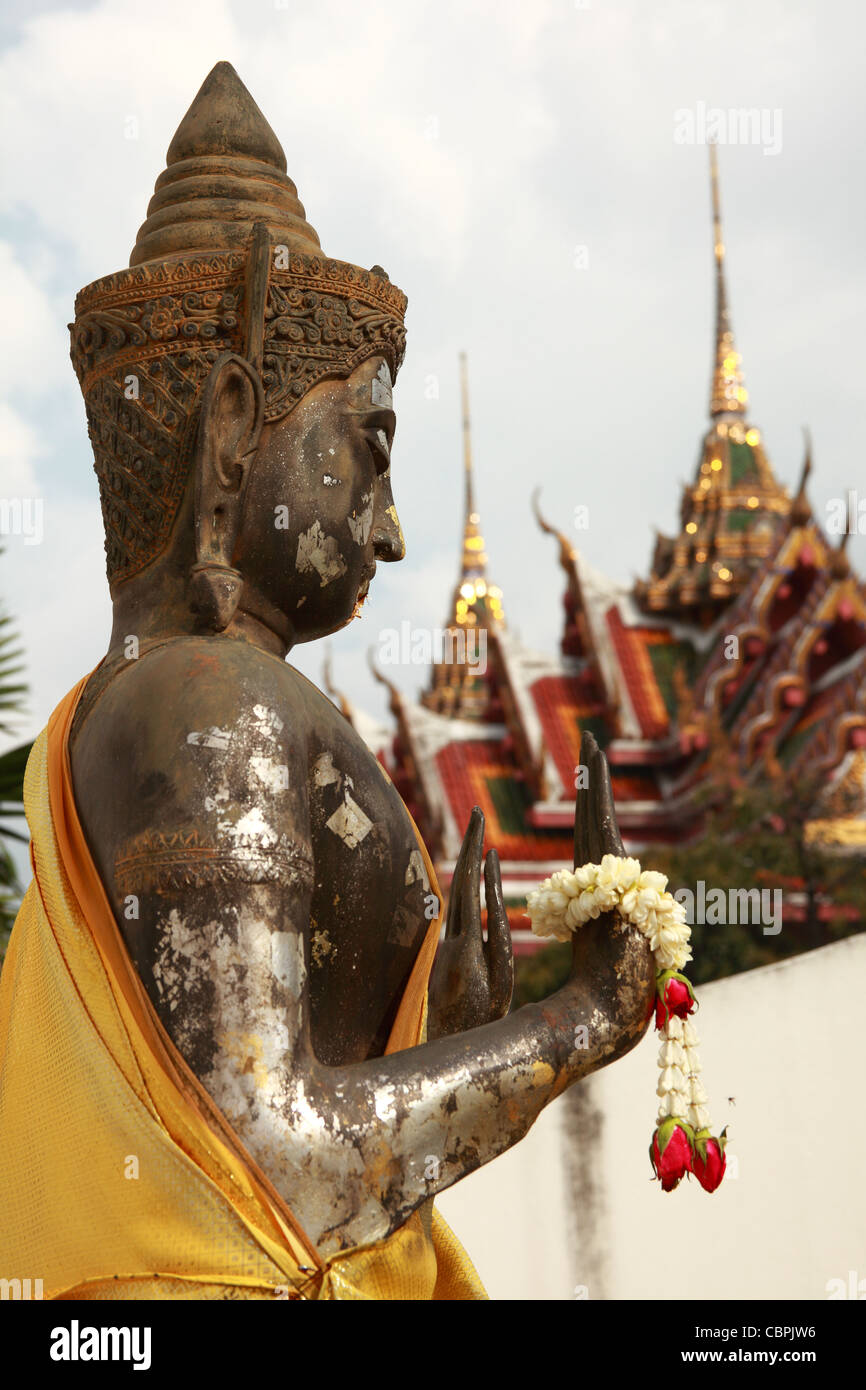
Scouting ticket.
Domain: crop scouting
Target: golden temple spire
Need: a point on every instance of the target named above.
(476, 601)
(728, 395)
(474, 557)
(731, 512)
(459, 686)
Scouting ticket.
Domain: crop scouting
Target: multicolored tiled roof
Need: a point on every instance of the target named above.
(566, 706)
(477, 773)
(648, 658)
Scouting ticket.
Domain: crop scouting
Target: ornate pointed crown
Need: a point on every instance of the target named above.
(226, 261)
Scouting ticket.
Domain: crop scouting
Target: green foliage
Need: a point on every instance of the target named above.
(541, 974)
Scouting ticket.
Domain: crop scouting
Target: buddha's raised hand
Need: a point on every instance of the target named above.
(472, 979)
(612, 971)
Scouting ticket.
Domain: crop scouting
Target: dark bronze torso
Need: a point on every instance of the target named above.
(372, 901)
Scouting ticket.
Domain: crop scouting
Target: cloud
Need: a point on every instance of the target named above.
(469, 148)
(57, 597)
(30, 363)
(19, 448)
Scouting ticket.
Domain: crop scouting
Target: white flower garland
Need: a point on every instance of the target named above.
(570, 898)
(680, 1087)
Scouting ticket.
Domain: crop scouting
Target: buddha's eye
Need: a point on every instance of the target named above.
(380, 447)
(377, 427)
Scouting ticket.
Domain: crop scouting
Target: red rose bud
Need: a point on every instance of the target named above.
(671, 1152)
(709, 1162)
(675, 997)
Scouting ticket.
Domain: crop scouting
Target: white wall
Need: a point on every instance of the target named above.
(573, 1204)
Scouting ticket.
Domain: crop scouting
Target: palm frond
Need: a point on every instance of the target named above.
(12, 690)
(12, 765)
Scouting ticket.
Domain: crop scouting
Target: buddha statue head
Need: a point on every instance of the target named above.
(238, 389)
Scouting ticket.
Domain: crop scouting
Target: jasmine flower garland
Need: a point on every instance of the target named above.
(682, 1142)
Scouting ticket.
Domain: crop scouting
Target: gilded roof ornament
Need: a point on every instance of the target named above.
(728, 395)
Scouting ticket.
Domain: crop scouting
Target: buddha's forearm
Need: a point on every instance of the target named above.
(364, 1145)
(355, 1149)
(405, 1127)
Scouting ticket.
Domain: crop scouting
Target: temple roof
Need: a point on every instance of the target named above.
(748, 642)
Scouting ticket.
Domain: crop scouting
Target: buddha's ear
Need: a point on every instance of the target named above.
(230, 421)
(229, 430)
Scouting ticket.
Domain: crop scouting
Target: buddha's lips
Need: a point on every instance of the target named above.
(363, 592)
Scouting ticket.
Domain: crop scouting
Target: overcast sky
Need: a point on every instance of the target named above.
(514, 167)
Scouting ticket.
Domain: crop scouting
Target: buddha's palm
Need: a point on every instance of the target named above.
(472, 979)
(612, 965)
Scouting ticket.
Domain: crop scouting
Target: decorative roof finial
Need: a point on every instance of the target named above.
(728, 395)
(328, 681)
(801, 510)
(566, 549)
(840, 566)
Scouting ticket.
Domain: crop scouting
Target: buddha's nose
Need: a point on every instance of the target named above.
(388, 542)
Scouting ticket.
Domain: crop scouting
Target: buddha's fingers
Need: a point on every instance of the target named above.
(609, 839)
(584, 806)
(464, 900)
(498, 948)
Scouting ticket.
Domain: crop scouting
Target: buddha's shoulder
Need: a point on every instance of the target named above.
(200, 683)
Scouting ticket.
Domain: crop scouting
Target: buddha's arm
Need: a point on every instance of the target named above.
(355, 1149)
(385, 1134)
(223, 875)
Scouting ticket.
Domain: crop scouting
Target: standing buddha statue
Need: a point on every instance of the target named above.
(235, 1059)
